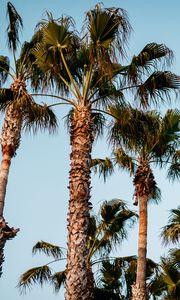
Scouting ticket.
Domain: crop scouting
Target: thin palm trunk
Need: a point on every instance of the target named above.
(78, 216)
(4, 172)
(139, 289)
(10, 138)
(90, 281)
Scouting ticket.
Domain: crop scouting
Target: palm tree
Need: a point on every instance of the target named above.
(107, 229)
(87, 69)
(21, 111)
(155, 142)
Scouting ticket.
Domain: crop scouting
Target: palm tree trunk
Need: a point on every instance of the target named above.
(4, 172)
(139, 289)
(6, 233)
(82, 138)
(10, 139)
(90, 281)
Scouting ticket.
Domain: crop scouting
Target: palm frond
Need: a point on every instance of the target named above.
(174, 257)
(109, 30)
(6, 98)
(124, 161)
(15, 23)
(116, 217)
(39, 117)
(40, 275)
(57, 280)
(56, 54)
(98, 123)
(4, 69)
(155, 195)
(132, 127)
(171, 232)
(48, 249)
(150, 55)
(174, 171)
(103, 167)
(158, 87)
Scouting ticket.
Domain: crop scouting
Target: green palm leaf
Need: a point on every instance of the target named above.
(39, 117)
(35, 275)
(6, 98)
(58, 280)
(115, 217)
(124, 161)
(150, 55)
(158, 86)
(104, 167)
(4, 69)
(48, 249)
(171, 232)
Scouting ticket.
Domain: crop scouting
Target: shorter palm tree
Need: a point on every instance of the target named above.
(141, 140)
(106, 231)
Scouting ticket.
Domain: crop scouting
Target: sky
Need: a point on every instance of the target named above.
(37, 194)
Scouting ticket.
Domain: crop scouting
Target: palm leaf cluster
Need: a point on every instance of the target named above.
(106, 230)
(88, 73)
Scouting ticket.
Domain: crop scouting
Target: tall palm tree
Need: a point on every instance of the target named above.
(107, 229)
(87, 73)
(155, 142)
(20, 111)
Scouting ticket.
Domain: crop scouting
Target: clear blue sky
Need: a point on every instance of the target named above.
(37, 193)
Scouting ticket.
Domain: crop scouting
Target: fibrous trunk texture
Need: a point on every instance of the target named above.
(90, 281)
(144, 185)
(78, 215)
(139, 289)
(6, 233)
(138, 293)
(10, 140)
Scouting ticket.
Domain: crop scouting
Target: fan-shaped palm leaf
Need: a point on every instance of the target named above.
(150, 55)
(109, 29)
(57, 280)
(103, 167)
(159, 85)
(171, 232)
(48, 249)
(4, 69)
(39, 275)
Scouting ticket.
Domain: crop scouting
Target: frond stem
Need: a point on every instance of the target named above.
(55, 96)
(70, 76)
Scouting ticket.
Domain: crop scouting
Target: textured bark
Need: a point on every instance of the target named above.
(6, 233)
(138, 292)
(10, 139)
(82, 137)
(90, 281)
(139, 289)
(144, 184)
